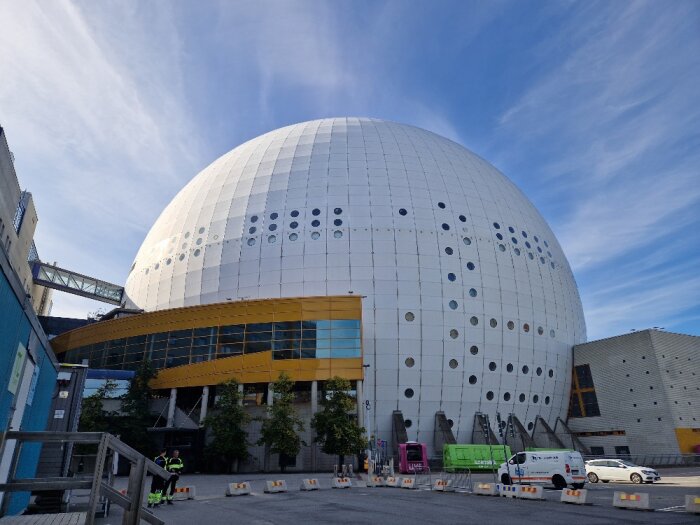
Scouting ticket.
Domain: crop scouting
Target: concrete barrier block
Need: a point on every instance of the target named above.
(408, 483)
(272, 487)
(183, 493)
(531, 492)
(508, 491)
(241, 488)
(393, 481)
(375, 481)
(341, 483)
(575, 496)
(636, 500)
(486, 489)
(692, 504)
(309, 484)
(443, 485)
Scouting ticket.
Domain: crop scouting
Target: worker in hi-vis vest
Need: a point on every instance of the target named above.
(156, 493)
(174, 465)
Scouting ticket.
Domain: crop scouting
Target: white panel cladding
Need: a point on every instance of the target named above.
(411, 220)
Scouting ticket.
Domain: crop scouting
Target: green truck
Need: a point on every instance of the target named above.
(474, 457)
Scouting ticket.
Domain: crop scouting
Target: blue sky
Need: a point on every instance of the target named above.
(591, 108)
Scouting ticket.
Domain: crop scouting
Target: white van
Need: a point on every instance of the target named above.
(556, 467)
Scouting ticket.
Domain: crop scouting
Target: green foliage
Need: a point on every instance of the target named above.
(279, 429)
(93, 416)
(133, 427)
(227, 424)
(336, 432)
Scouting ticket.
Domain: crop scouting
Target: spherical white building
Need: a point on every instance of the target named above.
(469, 302)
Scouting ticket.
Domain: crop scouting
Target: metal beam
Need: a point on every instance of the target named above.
(75, 283)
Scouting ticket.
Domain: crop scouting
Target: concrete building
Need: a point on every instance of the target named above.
(637, 394)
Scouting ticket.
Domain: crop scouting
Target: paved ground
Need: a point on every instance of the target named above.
(398, 506)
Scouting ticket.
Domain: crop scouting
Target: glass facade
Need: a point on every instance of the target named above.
(338, 338)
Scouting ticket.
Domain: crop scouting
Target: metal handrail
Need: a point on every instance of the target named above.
(131, 502)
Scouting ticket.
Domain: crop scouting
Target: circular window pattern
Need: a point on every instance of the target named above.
(528, 245)
(408, 423)
(449, 251)
(514, 240)
(551, 333)
(531, 257)
(542, 260)
(408, 393)
(551, 373)
(474, 350)
(474, 320)
(338, 222)
(441, 205)
(496, 225)
(168, 261)
(526, 327)
(182, 255)
(540, 330)
(274, 216)
(517, 251)
(450, 422)
(187, 235)
(546, 244)
(451, 277)
(493, 323)
(409, 316)
(148, 269)
(524, 234)
(453, 304)
(549, 254)
(315, 223)
(295, 213)
(510, 325)
(445, 226)
(402, 211)
(552, 265)
(453, 363)
(535, 398)
(316, 211)
(536, 239)
(467, 241)
(472, 292)
(525, 369)
(410, 362)
(472, 380)
(251, 230)
(272, 239)
(499, 236)
(197, 252)
(337, 211)
(201, 231)
(489, 395)
(251, 242)
(539, 371)
(539, 249)
(470, 266)
(156, 266)
(546, 400)
(509, 367)
(254, 218)
(501, 247)
(272, 227)
(337, 234)
(530, 425)
(492, 366)
(199, 241)
(315, 235)
(506, 396)
(454, 334)
(293, 225)
(510, 229)
(462, 218)
(521, 398)
(293, 236)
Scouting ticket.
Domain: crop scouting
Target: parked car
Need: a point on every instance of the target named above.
(606, 470)
(553, 467)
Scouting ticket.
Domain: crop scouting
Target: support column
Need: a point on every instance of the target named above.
(270, 395)
(205, 405)
(241, 390)
(360, 404)
(171, 408)
(314, 409)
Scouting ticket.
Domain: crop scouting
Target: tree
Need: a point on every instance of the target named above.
(136, 410)
(336, 431)
(227, 424)
(279, 429)
(93, 416)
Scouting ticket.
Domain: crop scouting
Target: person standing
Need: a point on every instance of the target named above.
(174, 465)
(156, 493)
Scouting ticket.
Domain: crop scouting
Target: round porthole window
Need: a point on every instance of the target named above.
(472, 380)
(517, 251)
(499, 236)
(445, 226)
(271, 239)
(510, 229)
(530, 425)
(337, 222)
(295, 213)
(496, 225)
(293, 236)
(315, 223)
(187, 235)
(453, 304)
(201, 231)
(182, 255)
(515, 241)
(251, 230)
(316, 211)
(410, 362)
(451, 277)
(470, 266)
(450, 422)
(524, 234)
(493, 323)
(197, 252)
(526, 369)
(315, 235)
(540, 330)
(509, 367)
(337, 211)
(251, 242)
(462, 218)
(506, 396)
(472, 292)
(501, 247)
(337, 234)
(453, 363)
(441, 205)
(510, 325)
(474, 350)
(467, 241)
(156, 266)
(551, 333)
(408, 423)
(454, 334)
(293, 225)
(449, 251)
(526, 327)
(530, 256)
(199, 241)
(546, 400)
(489, 395)
(254, 218)
(474, 320)
(521, 398)
(402, 211)
(274, 216)
(409, 316)
(551, 373)
(168, 261)
(492, 366)
(535, 398)
(539, 371)
(272, 227)
(408, 393)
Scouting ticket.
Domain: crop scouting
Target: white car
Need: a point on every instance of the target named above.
(619, 470)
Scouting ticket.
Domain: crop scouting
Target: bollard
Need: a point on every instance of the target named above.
(486, 489)
(272, 487)
(241, 488)
(183, 493)
(532, 492)
(508, 491)
(309, 484)
(575, 496)
(341, 483)
(443, 485)
(408, 483)
(692, 504)
(375, 481)
(393, 481)
(636, 500)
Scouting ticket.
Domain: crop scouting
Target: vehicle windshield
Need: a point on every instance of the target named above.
(628, 463)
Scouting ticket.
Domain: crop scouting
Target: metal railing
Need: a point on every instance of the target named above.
(131, 501)
(652, 460)
(461, 478)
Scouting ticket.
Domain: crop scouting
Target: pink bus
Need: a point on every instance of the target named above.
(413, 457)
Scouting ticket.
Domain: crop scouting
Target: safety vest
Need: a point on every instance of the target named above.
(161, 461)
(174, 465)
